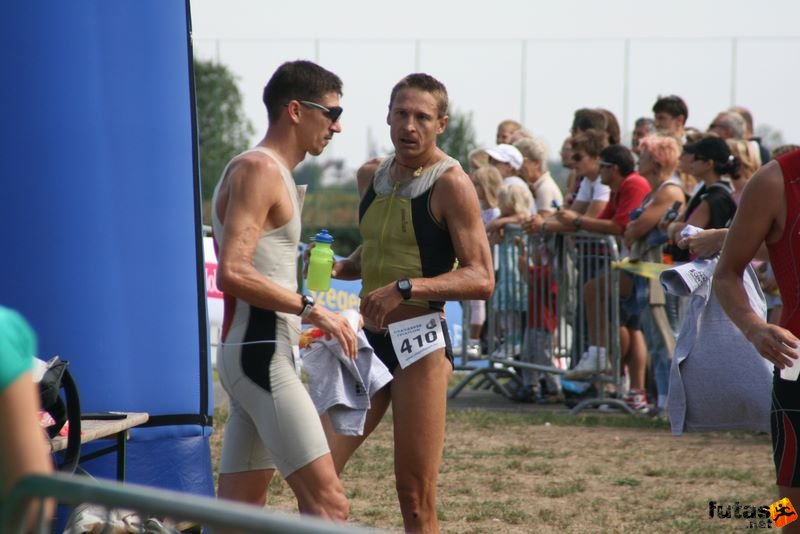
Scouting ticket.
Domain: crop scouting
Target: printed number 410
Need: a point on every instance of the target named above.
(430, 337)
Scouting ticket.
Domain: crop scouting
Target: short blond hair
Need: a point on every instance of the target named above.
(748, 154)
(533, 149)
(478, 158)
(490, 181)
(514, 199)
(510, 124)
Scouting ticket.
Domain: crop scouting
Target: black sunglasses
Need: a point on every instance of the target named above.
(576, 157)
(333, 113)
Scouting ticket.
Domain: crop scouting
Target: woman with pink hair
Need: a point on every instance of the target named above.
(658, 163)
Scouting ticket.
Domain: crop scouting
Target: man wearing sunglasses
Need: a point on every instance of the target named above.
(256, 219)
(419, 213)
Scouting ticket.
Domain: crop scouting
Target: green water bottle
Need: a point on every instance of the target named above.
(320, 263)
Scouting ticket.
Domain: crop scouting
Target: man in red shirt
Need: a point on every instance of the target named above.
(628, 190)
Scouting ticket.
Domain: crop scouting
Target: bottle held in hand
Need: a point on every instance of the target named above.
(320, 263)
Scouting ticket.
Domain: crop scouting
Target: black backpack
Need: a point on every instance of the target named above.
(62, 409)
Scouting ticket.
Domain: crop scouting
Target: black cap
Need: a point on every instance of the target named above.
(709, 148)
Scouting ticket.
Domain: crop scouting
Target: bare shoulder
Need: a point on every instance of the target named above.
(454, 181)
(365, 174)
(252, 164)
(669, 194)
(253, 179)
(454, 196)
(763, 203)
(767, 181)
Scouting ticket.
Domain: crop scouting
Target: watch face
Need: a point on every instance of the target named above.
(404, 287)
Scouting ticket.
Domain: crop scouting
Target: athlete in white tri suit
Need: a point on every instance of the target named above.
(256, 219)
(256, 362)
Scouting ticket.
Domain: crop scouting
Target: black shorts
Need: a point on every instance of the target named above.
(627, 319)
(785, 425)
(382, 345)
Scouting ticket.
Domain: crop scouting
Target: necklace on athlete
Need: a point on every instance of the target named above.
(417, 170)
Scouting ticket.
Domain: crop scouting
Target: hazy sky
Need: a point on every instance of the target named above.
(532, 61)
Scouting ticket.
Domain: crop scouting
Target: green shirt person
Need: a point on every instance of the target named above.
(23, 447)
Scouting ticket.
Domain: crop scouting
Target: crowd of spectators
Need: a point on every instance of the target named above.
(643, 191)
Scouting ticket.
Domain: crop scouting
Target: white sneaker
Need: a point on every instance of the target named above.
(507, 350)
(593, 362)
(474, 349)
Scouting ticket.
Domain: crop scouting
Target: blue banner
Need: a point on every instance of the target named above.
(101, 225)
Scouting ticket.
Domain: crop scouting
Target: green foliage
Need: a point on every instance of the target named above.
(336, 209)
(311, 171)
(223, 128)
(458, 139)
(308, 173)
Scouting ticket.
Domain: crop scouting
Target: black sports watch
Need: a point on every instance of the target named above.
(308, 305)
(403, 285)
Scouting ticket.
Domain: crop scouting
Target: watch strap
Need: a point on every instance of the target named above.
(308, 306)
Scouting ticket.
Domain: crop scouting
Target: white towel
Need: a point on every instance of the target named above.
(683, 280)
(718, 381)
(343, 387)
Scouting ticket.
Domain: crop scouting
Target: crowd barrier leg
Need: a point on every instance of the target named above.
(597, 315)
(504, 326)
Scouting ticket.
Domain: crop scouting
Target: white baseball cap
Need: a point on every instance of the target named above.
(507, 154)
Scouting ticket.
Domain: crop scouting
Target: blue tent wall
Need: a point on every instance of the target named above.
(101, 238)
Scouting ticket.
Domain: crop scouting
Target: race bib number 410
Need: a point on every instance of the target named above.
(415, 338)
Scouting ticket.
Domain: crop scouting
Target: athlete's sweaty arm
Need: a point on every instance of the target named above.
(759, 218)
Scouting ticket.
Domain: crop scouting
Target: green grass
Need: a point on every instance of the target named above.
(626, 481)
(493, 420)
(504, 472)
(739, 475)
(540, 468)
(504, 511)
(562, 489)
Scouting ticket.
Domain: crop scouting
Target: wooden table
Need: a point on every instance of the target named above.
(94, 429)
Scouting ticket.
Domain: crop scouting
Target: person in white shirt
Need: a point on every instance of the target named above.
(592, 195)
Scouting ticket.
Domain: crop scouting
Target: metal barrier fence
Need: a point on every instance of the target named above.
(201, 512)
(537, 317)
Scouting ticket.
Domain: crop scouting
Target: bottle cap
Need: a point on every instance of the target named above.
(323, 237)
